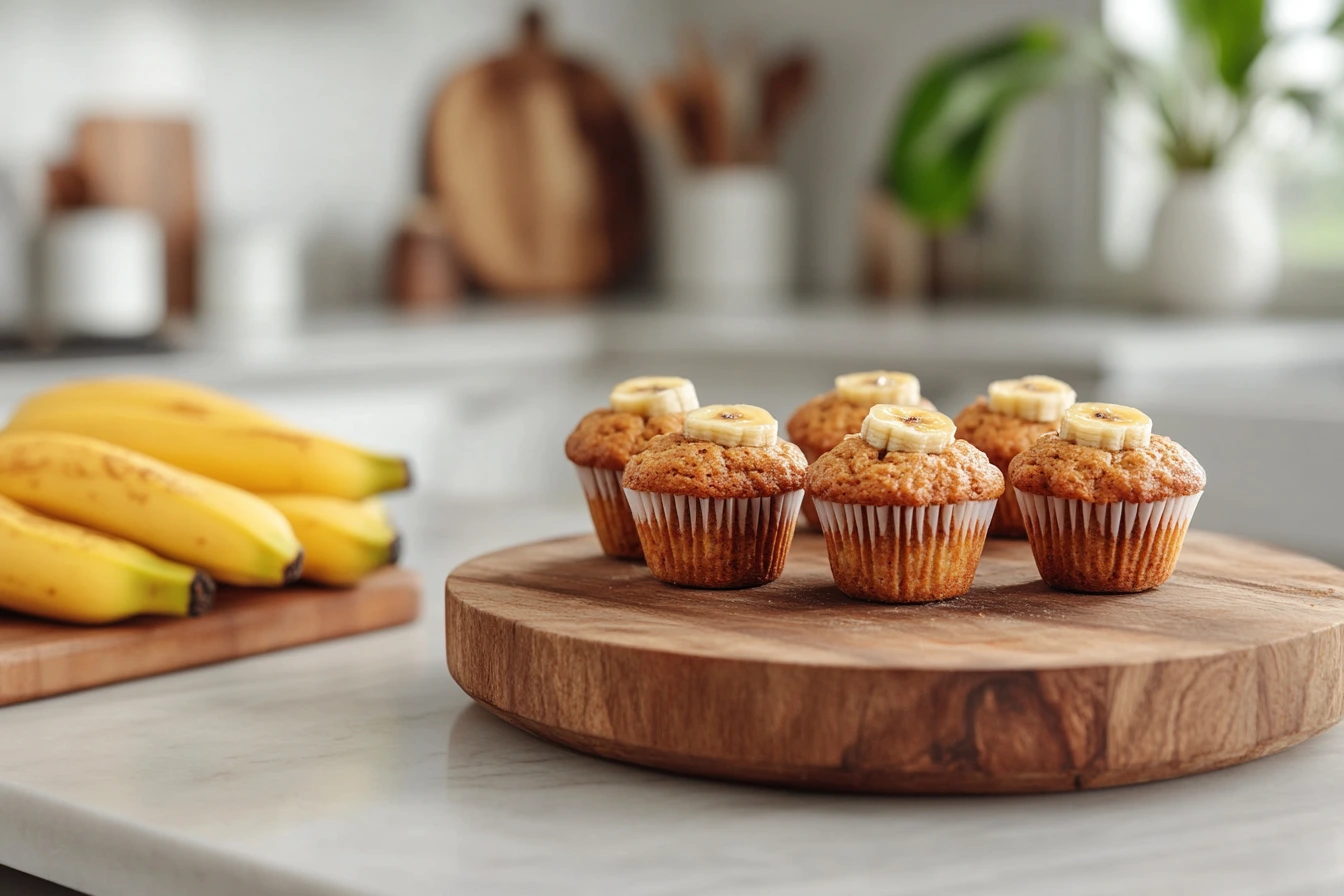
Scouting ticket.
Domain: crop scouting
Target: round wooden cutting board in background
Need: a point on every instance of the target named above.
(1012, 688)
(534, 160)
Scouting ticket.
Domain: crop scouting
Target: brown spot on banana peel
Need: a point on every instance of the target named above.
(189, 409)
(116, 468)
(301, 439)
(394, 550)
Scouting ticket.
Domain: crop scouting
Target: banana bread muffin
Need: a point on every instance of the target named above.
(1106, 503)
(606, 439)
(715, 505)
(822, 422)
(1007, 422)
(904, 506)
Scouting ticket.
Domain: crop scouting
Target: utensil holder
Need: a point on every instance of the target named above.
(729, 239)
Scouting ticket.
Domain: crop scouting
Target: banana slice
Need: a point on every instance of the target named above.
(1110, 426)
(878, 387)
(894, 427)
(649, 396)
(1040, 399)
(731, 425)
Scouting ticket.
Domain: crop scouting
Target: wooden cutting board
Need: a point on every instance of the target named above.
(39, 659)
(1011, 688)
(535, 163)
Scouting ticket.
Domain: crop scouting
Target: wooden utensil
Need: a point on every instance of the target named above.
(740, 78)
(1011, 688)
(535, 160)
(705, 102)
(39, 659)
(725, 113)
(784, 89)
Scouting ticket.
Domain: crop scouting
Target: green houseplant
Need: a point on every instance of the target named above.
(1203, 105)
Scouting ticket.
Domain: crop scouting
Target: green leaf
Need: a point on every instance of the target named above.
(1337, 26)
(952, 117)
(1234, 31)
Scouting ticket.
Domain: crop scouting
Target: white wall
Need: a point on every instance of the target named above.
(310, 111)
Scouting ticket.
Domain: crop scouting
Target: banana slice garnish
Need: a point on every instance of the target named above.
(1040, 399)
(1110, 426)
(878, 387)
(649, 396)
(894, 427)
(732, 425)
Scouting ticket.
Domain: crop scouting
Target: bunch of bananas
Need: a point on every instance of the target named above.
(121, 497)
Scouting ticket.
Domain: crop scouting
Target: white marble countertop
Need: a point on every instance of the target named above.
(359, 767)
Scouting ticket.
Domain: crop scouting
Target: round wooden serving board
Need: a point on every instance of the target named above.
(1011, 688)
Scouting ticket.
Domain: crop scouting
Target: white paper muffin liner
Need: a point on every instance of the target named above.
(599, 483)
(1120, 546)
(611, 514)
(715, 542)
(863, 521)
(904, 554)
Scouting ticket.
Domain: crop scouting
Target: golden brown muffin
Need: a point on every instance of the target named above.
(677, 465)
(855, 472)
(599, 447)
(821, 424)
(1061, 469)
(711, 516)
(1106, 521)
(1002, 437)
(904, 526)
(606, 439)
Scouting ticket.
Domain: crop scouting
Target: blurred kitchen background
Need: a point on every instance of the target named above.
(447, 227)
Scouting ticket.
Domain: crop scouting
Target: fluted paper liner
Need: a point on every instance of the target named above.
(1117, 547)
(715, 542)
(904, 554)
(611, 514)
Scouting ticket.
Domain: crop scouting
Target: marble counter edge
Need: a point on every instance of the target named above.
(94, 852)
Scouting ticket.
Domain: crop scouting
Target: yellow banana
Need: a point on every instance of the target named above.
(61, 571)
(236, 537)
(343, 540)
(152, 393)
(257, 454)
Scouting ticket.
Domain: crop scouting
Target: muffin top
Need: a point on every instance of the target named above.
(678, 465)
(1001, 436)
(823, 422)
(1062, 469)
(606, 439)
(855, 472)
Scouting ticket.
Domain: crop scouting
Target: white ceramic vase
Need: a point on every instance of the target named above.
(1215, 245)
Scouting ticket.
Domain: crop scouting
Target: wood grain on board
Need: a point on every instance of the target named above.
(535, 163)
(1012, 688)
(40, 659)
